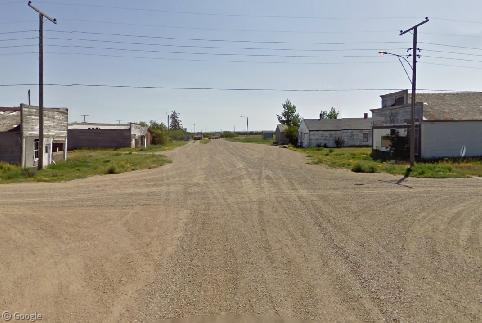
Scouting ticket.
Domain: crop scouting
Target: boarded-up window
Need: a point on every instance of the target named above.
(386, 142)
(57, 146)
(365, 137)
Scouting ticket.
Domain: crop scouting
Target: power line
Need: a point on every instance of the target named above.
(227, 14)
(124, 86)
(197, 13)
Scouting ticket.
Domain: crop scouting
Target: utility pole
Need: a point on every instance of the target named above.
(29, 97)
(247, 124)
(84, 115)
(118, 121)
(194, 128)
(415, 50)
(41, 82)
(168, 116)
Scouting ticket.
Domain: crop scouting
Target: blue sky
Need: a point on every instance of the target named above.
(273, 44)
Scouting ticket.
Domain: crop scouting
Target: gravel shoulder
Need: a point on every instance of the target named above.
(243, 230)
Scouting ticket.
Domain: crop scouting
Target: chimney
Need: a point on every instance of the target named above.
(365, 115)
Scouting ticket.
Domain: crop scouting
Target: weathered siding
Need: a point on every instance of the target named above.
(355, 138)
(322, 138)
(11, 147)
(99, 138)
(280, 137)
(138, 130)
(392, 116)
(446, 139)
(55, 122)
(352, 138)
(29, 144)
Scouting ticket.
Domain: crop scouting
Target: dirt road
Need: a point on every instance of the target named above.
(242, 230)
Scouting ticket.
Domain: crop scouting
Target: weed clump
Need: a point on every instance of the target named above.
(363, 168)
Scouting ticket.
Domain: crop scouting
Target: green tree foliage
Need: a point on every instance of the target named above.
(160, 134)
(175, 123)
(291, 119)
(289, 116)
(331, 114)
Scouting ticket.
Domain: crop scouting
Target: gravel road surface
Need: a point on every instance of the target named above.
(242, 231)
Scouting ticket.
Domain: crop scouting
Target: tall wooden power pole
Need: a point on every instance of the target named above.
(413, 29)
(41, 82)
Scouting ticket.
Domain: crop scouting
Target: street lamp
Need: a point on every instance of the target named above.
(400, 57)
(247, 123)
(412, 121)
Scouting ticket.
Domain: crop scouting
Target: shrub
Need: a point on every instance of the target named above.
(29, 172)
(399, 148)
(228, 134)
(339, 142)
(363, 168)
(112, 169)
(159, 137)
(292, 134)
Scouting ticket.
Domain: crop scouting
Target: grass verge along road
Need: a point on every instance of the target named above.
(360, 161)
(89, 162)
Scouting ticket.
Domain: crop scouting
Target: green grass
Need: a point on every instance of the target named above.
(253, 139)
(205, 141)
(360, 161)
(89, 162)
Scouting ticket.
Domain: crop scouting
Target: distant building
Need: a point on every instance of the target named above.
(352, 132)
(280, 137)
(267, 134)
(446, 124)
(105, 135)
(19, 135)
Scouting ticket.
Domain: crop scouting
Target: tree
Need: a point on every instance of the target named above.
(291, 119)
(159, 133)
(289, 116)
(400, 146)
(332, 114)
(176, 123)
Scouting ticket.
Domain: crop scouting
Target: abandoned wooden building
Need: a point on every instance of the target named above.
(446, 124)
(280, 137)
(350, 132)
(19, 135)
(105, 135)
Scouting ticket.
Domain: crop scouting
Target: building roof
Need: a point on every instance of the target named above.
(9, 118)
(451, 106)
(281, 127)
(93, 125)
(338, 124)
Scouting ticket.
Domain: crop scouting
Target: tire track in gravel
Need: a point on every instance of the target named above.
(243, 231)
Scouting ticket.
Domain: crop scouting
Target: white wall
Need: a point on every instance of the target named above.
(446, 139)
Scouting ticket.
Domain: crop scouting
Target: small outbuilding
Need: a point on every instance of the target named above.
(446, 124)
(106, 135)
(19, 135)
(280, 137)
(351, 132)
